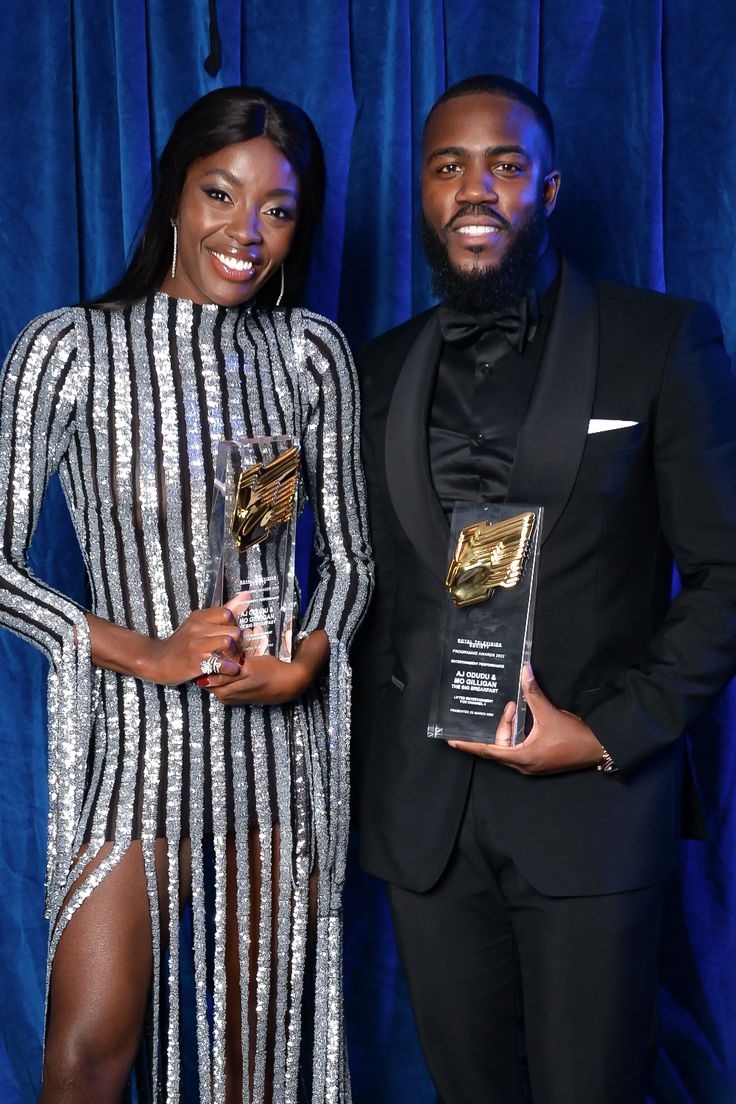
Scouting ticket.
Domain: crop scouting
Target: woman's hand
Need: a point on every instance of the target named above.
(265, 680)
(174, 659)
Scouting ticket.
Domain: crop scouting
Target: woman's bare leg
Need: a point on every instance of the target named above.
(100, 981)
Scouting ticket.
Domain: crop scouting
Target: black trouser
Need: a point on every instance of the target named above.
(513, 989)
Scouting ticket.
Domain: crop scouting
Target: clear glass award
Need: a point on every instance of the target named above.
(486, 631)
(252, 540)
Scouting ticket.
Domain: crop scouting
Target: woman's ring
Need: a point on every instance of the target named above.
(212, 665)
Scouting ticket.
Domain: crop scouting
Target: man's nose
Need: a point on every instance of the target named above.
(477, 185)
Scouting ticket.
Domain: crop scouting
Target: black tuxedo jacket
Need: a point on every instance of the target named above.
(609, 642)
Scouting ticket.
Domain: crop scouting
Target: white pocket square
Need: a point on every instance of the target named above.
(603, 425)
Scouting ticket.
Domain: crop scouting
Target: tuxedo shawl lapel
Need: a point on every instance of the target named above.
(407, 458)
(552, 437)
(551, 440)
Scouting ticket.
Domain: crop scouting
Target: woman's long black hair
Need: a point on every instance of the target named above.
(220, 119)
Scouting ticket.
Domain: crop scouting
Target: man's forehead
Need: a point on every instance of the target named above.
(482, 120)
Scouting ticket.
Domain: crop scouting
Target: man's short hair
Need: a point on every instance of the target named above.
(496, 85)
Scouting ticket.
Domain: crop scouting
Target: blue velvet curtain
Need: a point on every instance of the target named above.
(641, 91)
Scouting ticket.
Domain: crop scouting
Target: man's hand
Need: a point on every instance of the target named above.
(558, 742)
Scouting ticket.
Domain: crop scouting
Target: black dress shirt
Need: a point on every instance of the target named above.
(481, 396)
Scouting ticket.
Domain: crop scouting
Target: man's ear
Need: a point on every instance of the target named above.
(550, 190)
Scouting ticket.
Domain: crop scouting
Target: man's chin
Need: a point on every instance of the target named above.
(476, 268)
(465, 262)
(494, 278)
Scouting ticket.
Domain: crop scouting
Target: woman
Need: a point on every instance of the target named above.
(171, 745)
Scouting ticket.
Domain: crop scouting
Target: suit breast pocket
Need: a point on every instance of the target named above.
(613, 442)
(616, 464)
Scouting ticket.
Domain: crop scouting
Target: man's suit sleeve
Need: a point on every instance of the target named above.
(693, 654)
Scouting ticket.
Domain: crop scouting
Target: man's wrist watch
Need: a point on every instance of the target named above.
(606, 763)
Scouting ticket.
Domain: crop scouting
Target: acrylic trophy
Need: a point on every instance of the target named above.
(252, 540)
(487, 622)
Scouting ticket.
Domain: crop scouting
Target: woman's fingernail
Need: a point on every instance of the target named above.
(202, 681)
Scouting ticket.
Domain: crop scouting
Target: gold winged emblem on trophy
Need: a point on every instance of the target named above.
(264, 498)
(489, 555)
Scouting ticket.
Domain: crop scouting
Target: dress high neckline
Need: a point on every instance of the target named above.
(162, 299)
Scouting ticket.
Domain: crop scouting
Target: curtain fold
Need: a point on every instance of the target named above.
(642, 96)
(601, 70)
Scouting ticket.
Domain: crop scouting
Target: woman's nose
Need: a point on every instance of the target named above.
(245, 226)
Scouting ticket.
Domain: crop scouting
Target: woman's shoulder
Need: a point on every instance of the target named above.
(52, 321)
(47, 332)
(321, 334)
(300, 321)
(318, 342)
(71, 320)
(318, 323)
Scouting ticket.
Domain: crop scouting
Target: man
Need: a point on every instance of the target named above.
(526, 882)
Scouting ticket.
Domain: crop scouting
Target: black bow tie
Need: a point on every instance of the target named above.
(519, 324)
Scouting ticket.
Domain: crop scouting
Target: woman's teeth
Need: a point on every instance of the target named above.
(235, 264)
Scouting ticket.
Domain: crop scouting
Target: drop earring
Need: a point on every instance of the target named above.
(281, 293)
(176, 249)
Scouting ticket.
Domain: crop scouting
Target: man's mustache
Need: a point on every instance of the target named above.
(479, 210)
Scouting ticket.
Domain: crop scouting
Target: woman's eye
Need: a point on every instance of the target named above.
(217, 194)
(282, 214)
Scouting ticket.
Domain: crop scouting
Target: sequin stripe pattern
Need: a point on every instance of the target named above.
(41, 379)
(345, 583)
(328, 750)
(122, 795)
(277, 400)
(337, 605)
(130, 405)
(335, 484)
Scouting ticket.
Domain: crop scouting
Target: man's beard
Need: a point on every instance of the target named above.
(487, 288)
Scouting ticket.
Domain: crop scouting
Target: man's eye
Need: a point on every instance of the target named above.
(449, 168)
(508, 168)
(217, 194)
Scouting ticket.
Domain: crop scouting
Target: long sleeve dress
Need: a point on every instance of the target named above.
(129, 406)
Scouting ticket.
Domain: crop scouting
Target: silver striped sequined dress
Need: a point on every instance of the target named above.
(129, 405)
